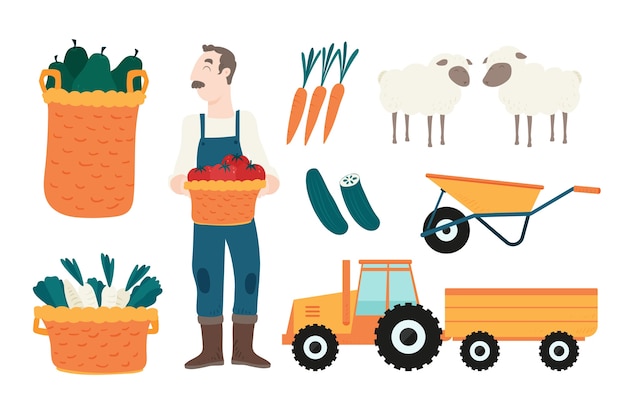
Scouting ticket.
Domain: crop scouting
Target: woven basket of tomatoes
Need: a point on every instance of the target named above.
(92, 117)
(225, 194)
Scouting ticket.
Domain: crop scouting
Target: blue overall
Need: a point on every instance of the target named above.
(209, 244)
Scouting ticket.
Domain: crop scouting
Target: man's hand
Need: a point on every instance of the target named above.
(271, 185)
(177, 184)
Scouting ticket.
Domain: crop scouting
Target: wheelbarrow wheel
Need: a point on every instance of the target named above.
(450, 239)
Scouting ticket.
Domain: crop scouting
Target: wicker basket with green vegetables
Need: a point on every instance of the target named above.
(95, 328)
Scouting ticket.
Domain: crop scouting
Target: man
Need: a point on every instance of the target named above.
(206, 139)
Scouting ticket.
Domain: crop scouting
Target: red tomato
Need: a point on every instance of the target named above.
(224, 171)
(197, 174)
(240, 161)
(253, 172)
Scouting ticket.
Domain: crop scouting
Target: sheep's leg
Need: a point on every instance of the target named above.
(551, 128)
(430, 128)
(394, 115)
(530, 128)
(517, 129)
(442, 119)
(564, 127)
(406, 127)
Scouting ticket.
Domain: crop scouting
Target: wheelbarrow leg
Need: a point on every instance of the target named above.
(502, 238)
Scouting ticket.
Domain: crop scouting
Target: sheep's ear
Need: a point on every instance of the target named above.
(442, 62)
(469, 62)
(520, 55)
(485, 61)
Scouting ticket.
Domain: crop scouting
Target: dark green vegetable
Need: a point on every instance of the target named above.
(75, 59)
(95, 75)
(51, 292)
(323, 203)
(66, 76)
(357, 203)
(72, 268)
(145, 294)
(120, 73)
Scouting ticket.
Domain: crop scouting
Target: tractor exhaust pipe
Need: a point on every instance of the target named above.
(345, 301)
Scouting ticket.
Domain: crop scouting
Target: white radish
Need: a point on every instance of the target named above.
(123, 297)
(71, 296)
(109, 297)
(88, 295)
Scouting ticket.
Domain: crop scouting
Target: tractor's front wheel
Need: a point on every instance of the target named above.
(558, 350)
(315, 347)
(449, 239)
(408, 336)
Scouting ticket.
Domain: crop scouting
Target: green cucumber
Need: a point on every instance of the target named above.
(323, 203)
(357, 203)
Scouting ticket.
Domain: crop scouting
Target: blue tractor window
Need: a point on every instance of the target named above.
(372, 294)
(401, 289)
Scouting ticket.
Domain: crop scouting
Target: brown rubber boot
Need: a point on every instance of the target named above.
(243, 332)
(211, 347)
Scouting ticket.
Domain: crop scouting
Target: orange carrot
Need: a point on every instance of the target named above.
(319, 94)
(299, 99)
(317, 99)
(336, 93)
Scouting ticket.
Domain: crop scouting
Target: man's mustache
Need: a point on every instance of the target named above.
(197, 84)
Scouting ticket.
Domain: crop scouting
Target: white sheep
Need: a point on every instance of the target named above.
(432, 89)
(529, 89)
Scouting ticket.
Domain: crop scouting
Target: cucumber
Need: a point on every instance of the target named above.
(357, 203)
(323, 203)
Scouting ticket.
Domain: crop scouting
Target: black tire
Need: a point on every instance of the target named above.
(315, 347)
(451, 239)
(480, 351)
(558, 351)
(408, 336)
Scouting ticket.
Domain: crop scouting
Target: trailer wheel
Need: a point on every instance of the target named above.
(480, 351)
(450, 239)
(558, 350)
(408, 336)
(315, 347)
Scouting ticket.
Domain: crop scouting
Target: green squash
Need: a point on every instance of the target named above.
(120, 73)
(96, 75)
(66, 76)
(75, 59)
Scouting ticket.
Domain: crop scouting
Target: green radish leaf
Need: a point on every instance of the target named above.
(145, 294)
(51, 292)
(72, 268)
(108, 265)
(136, 275)
(97, 286)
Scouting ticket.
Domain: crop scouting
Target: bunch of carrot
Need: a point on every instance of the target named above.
(319, 93)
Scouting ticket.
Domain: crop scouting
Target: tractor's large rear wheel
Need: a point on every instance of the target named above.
(315, 347)
(408, 336)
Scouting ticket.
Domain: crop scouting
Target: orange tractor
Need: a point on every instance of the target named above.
(385, 311)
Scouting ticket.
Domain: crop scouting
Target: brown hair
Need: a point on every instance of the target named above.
(227, 59)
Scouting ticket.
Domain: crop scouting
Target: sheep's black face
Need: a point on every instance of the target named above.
(497, 74)
(459, 76)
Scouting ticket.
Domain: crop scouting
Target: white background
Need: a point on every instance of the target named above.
(574, 243)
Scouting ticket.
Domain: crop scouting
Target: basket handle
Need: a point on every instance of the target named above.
(130, 77)
(54, 73)
(39, 330)
(583, 189)
(154, 328)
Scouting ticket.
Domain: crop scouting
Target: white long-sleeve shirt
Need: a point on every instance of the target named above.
(249, 139)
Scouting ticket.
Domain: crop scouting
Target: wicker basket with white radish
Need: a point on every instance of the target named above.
(95, 328)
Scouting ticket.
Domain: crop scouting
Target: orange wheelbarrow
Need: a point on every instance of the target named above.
(446, 229)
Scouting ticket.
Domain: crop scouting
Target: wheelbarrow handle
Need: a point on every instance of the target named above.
(582, 189)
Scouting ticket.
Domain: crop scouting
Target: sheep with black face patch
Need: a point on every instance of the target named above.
(530, 89)
(429, 90)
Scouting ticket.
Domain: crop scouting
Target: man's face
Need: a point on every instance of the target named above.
(207, 79)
